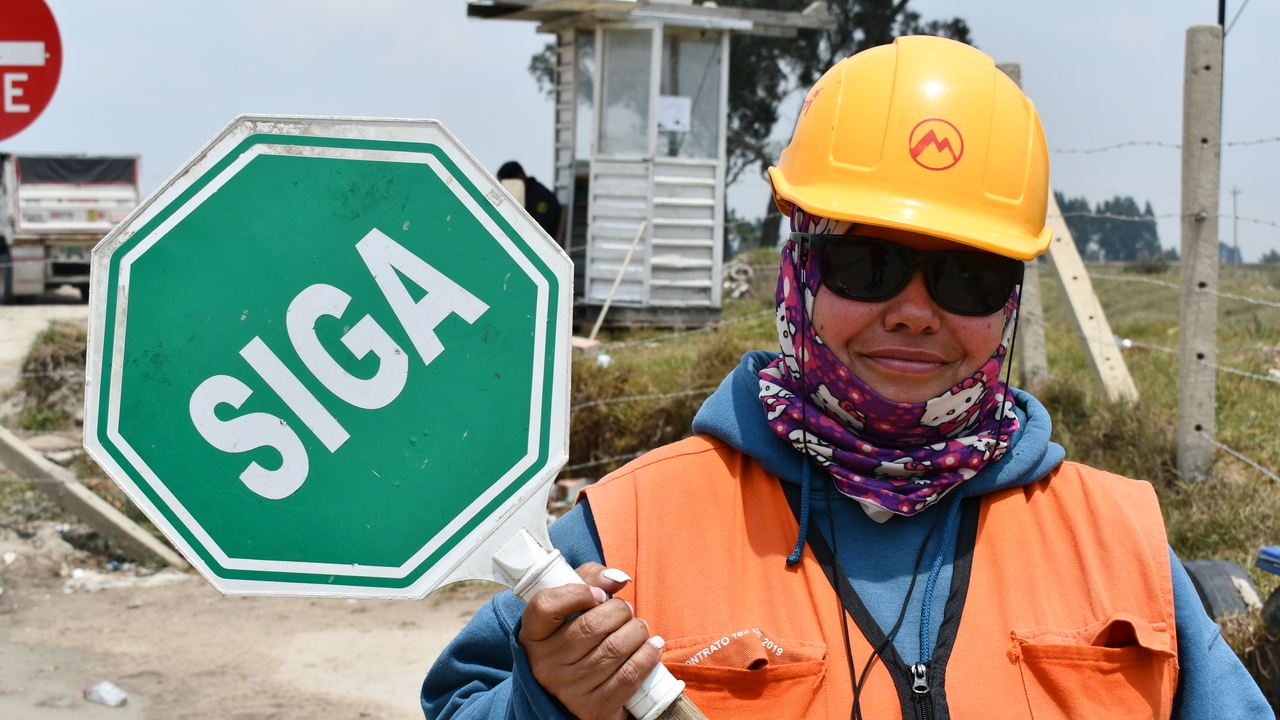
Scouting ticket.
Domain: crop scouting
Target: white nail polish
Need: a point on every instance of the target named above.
(616, 575)
(632, 607)
(657, 641)
(599, 594)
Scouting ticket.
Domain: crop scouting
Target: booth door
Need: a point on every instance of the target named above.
(684, 263)
(621, 166)
(658, 156)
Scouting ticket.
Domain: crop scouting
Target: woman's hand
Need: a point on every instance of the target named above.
(588, 650)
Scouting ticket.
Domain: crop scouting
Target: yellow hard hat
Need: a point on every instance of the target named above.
(923, 135)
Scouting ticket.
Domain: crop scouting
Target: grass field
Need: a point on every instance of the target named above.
(1228, 517)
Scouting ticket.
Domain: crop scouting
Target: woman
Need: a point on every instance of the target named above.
(872, 523)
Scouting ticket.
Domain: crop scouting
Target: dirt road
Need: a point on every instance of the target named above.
(19, 325)
(182, 651)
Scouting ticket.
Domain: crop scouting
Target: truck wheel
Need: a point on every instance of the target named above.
(1222, 586)
(6, 279)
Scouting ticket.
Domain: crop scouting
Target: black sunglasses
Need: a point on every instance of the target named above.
(872, 270)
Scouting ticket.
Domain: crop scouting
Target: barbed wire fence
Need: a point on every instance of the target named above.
(636, 398)
(1212, 141)
(602, 461)
(644, 343)
(1152, 281)
(1164, 216)
(1159, 348)
(1126, 343)
(1154, 143)
(611, 346)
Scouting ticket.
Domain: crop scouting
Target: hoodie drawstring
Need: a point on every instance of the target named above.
(794, 557)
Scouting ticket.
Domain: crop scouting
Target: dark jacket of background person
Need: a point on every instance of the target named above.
(539, 201)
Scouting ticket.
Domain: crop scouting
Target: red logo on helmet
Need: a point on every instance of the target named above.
(812, 96)
(936, 144)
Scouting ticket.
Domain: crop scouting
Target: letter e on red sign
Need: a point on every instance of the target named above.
(30, 62)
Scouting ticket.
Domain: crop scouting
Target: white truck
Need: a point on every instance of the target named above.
(53, 210)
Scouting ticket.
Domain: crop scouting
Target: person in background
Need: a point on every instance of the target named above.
(872, 523)
(539, 202)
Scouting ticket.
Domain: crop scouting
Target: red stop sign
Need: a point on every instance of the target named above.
(30, 62)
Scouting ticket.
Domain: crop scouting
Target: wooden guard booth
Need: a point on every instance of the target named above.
(641, 103)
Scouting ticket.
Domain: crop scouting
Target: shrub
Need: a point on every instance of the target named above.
(1147, 265)
(42, 419)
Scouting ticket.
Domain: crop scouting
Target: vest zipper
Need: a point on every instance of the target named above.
(926, 705)
(920, 686)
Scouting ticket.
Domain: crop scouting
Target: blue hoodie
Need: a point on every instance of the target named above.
(484, 673)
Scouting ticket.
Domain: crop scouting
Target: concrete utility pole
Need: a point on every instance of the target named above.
(1033, 362)
(1198, 314)
(1032, 353)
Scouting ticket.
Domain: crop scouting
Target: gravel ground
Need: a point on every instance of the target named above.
(182, 651)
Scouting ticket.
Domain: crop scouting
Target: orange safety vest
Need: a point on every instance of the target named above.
(1068, 611)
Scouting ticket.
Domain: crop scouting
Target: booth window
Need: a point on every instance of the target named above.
(624, 116)
(688, 124)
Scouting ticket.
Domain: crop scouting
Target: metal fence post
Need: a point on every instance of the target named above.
(1198, 312)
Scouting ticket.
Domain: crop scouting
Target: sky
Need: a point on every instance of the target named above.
(160, 79)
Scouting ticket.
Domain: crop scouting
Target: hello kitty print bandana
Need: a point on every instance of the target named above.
(893, 458)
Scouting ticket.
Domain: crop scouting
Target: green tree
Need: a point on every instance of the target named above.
(1272, 257)
(542, 66)
(1106, 232)
(1122, 239)
(1079, 218)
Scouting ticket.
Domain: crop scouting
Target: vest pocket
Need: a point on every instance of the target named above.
(1116, 668)
(729, 676)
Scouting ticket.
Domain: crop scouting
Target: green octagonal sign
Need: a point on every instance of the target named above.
(331, 357)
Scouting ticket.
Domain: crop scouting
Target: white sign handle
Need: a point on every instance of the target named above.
(529, 568)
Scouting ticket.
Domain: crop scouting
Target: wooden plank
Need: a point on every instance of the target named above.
(1082, 303)
(637, 168)
(679, 262)
(686, 202)
(58, 483)
(675, 170)
(707, 233)
(688, 222)
(680, 283)
(682, 243)
(682, 180)
(814, 19)
(682, 301)
(562, 15)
